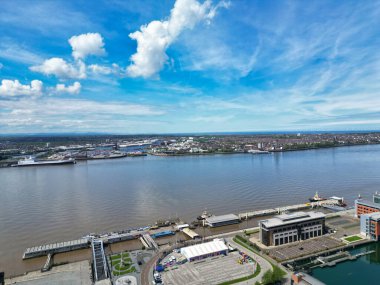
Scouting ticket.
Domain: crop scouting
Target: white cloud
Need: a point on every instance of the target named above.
(87, 44)
(15, 52)
(60, 68)
(15, 88)
(75, 114)
(154, 38)
(100, 69)
(71, 89)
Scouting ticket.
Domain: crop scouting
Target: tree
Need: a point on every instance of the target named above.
(267, 277)
(273, 276)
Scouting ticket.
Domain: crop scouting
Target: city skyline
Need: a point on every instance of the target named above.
(188, 66)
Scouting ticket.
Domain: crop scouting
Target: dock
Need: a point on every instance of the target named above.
(279, 210)
(66, 246)
(116, 237)
(338, 257)
(55, 248)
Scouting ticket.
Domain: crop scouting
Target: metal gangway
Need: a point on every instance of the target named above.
(150, 242)
(48, 263)
(100, 264)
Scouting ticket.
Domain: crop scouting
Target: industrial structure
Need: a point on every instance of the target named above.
(370, 226)
(204, 250)
(287, 228)
(223, 220)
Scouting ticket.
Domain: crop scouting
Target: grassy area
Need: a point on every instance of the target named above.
(122, 264)
(242, 279)
(353, 238)
(246, 243)
(116, 256)
(123, 272)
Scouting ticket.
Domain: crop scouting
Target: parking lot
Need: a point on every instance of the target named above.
(208, 271)
(303, 248)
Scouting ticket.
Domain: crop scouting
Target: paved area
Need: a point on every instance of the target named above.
(77, 273)
(344, 225)
(264, 264)
(303, 248)
(209, 271)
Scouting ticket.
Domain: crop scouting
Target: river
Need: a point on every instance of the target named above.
(57, 203)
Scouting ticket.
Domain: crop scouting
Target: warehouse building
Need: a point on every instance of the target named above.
(287, 228)
(204, 250)
(223, 220)
(370, 226)
(367, 207)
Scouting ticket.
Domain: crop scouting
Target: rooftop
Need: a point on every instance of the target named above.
(216, 245)
(368, 203)
(374, 216)
(297, 217)
(222, 218)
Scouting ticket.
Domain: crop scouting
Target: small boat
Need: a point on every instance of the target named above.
(316, 198)
(204, 215)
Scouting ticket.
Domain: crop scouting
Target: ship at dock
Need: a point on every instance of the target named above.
(29, 161)
(316, 198)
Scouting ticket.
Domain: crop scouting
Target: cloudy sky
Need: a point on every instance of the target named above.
(138, 66)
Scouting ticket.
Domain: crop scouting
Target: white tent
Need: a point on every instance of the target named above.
(198, 251)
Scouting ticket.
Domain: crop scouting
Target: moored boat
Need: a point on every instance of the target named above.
(316, 198)
(29, 161)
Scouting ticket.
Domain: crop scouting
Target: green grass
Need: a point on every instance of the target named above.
(116, 256)
(353, 238)
(122, 264)
(123, 272)
(122, 267)
(241, 279)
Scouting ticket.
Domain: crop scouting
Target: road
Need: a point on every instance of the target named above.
(264, 264)
(146, 272)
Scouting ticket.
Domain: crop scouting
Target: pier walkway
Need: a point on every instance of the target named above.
(100, 264)
(55, 248)
(279, 210)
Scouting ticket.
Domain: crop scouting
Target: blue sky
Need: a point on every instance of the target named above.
(189, 66)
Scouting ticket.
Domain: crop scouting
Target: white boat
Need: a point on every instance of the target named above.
(29, 161)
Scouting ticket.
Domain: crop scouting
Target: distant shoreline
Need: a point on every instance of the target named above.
(9, 164)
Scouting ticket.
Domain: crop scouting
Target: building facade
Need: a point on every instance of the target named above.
(370, 226)
(367, 207)
(287, 228)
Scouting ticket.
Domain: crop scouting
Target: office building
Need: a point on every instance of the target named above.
(287, 228)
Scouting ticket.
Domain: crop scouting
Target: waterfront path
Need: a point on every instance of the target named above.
(264, 264)
(147, 271)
